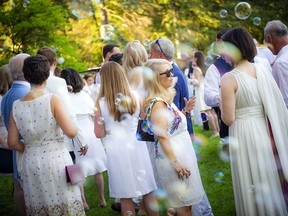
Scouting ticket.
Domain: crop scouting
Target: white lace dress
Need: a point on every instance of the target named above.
(44, 159)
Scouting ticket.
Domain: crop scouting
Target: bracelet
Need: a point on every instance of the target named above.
(187, 114)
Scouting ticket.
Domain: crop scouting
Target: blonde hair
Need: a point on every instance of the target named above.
(134, 55)
(114, 81)
(153, 85)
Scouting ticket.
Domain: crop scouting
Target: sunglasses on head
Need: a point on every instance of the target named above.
(158, 44)
(168, 73)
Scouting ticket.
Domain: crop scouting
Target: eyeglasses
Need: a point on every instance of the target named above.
(168, 73)
(157, 42)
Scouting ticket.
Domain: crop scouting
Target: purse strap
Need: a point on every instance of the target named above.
(149, 109)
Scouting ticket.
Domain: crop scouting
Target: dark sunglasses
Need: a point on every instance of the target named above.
(168, 73)
(158, 44)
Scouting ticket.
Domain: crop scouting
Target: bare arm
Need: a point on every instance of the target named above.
(197, 76)
(13, 136)
(62, 118)
(99, 129)
(160, 124)
(228, 98)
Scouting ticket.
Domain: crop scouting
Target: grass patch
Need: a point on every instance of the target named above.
(219, 191)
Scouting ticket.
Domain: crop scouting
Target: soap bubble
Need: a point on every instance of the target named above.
(117, 101)
(141, 175)
(107, 32)
(242, 10)
(82, 8)
(60, 60)
(146, 42)
(100, 121)
(25, 3)
(257, 21)
(223, 13)
(219, 177)
(161, 200)
(208, 60)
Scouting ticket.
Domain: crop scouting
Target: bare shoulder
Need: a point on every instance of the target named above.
(228, 79)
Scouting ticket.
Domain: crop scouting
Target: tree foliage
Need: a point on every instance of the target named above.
(189, 24)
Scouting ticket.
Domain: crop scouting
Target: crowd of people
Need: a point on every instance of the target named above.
(49, 122)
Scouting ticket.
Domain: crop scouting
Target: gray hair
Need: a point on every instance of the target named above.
(166, 45)
(275, 28)
(16, 66)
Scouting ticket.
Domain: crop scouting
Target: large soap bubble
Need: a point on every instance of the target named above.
(242, 10)
(82, 8)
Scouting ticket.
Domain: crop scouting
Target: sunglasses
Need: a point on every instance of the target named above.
(168, 73)
(158, 44)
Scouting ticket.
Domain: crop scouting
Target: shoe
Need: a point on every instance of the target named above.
(214, 135)
(116, 206)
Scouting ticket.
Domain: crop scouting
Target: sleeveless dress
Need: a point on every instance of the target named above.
(180, 193)
(46, 191)
(95, 159)
(258, 189)
(200, 104)
(129, 169)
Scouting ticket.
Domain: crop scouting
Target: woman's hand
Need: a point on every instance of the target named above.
(189, 105)
(181, 170)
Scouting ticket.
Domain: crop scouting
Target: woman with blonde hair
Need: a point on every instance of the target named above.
(174, 160)
(134, 57)
(128, 164)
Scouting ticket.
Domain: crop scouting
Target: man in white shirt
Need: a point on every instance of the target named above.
(276, 35)
(212, 84)
(58, 86)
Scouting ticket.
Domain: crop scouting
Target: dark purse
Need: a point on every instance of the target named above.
(144, 132)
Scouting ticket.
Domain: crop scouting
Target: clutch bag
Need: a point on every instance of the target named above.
(144, 132)
(74, 174)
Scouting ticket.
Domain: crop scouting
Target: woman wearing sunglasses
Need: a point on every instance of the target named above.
(174, 160)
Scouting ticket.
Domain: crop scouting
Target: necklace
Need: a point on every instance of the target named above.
(36, 90)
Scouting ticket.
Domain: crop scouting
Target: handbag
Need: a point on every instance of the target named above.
(74, 174)
(144, 132)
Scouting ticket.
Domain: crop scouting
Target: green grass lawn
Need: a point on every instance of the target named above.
(219, 190)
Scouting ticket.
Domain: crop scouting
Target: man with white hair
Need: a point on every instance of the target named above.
(276, 35)
(164, 48)
(18, 90)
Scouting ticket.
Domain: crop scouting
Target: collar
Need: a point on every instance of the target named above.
(22, 83)
(282, 52)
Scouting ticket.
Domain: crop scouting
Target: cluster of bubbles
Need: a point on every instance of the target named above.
(242, 11)
(122, 103)
(107, 32)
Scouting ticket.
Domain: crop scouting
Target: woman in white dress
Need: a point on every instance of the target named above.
(40, 119)
(94, 162)
(90, 87)
(175, 160)
(134, 57)
(254, 110)
(129, 169)
(198, 82)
